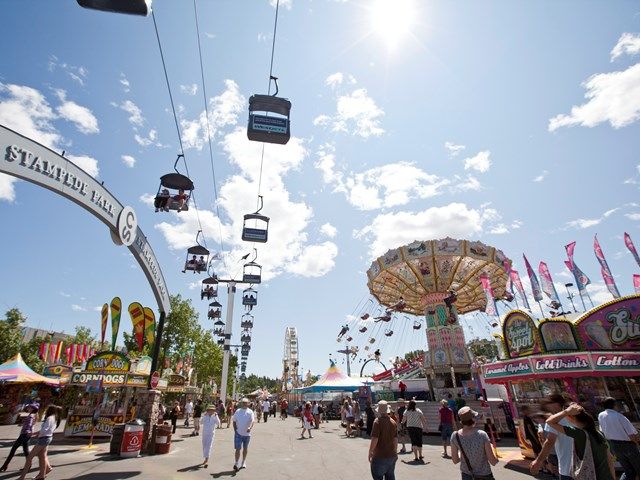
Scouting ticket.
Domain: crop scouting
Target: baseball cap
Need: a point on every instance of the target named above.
(466, 413)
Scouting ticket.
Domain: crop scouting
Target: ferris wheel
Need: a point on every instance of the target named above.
(290, 360)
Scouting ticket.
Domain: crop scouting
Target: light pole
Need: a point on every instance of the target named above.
(570, 295)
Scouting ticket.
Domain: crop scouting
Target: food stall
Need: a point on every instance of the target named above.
(590, 357)
(104, 388)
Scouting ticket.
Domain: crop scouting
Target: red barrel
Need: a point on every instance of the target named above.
(163, 439)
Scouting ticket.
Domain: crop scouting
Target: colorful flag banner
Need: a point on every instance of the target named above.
(604, 268)
(548, 287)
(631, 247)
(515, 278)
(535, 286)
(67, 352)
(149, 326)
(636, 283)
(52, 353)
(137, 319)
(103, 324)
(44, 351)
(490, 308)
(581, 279)
(58, 351)
(507, 268)
(116, 310)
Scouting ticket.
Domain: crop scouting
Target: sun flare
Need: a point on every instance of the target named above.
(393, 20)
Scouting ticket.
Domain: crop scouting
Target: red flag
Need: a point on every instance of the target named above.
(67, 352)
(59, 351)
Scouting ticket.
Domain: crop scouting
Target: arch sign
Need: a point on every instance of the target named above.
(28, 160)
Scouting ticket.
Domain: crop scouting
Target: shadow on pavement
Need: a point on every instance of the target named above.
(228, 473)
(192, 468)
(106, 476)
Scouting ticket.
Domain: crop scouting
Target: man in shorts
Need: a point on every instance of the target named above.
(243, 421)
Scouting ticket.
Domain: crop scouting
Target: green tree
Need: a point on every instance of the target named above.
(11, 333)
(483, 347)
(131, 344)
(254, 382)
(83, 335)
(30, 352)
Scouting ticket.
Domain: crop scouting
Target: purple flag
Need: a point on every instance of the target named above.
(535, 286)
(631, 247)
(581, 279)
(606, 273)
(490, 309)
(547, 283)
(636, 283)
(515, 278)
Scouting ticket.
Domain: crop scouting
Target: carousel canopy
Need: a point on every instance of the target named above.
(334, 379)
(15, 370)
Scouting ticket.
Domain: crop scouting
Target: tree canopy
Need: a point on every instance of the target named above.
(483, 347)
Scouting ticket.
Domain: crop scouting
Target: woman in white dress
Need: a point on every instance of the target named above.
(208, 424)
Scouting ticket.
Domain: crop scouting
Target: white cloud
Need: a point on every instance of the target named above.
(189, 89)
(469, 184)
(135, 114)
(87, 163)
(315, 260)
(210, 35)
(628, 43)
(77, 74)
(125, 83)
(633, 216)
(516, 224)
(78, 308)
(224, 110)
(63, 294)
(329, 230)
(338, 78)
(480, 162)
(82, 117)
(582, 223)
(598, 292)
(356, 113)
(499, 229)
(542, 176)
(128, 160)
(611, 97)
(7, 190)
(283, 3)
(457, 220)
(150, 139)
(453, 149)
(147, 199)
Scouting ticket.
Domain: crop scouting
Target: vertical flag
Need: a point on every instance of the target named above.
(636, 283)
(604, 268)
(52, 353)
(67, 352)
(74, 349)
(547, 283)
(116, 310)
(507, 268)
(149, 326)
(58, 351)
(44, 350)
(137, 319)
(631, 247)
(535, 286)
(515, 278)
(103, 325)
(490, 309)
(581, 279)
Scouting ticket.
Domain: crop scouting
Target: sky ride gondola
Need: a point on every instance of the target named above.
(252, 273)
(214, 313)
(197, 257)
(218, 332)
(363, 329)
(131, 7)
(209, 288)
(245, 338)
(249, 297)
(246, 321)
(221, 341)
(260, 230)
(172, 192)
(218, 323)
(388, 333)
(272, 124)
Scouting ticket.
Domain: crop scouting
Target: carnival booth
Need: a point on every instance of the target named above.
(104, 388)
(17, 382)
(591, 357)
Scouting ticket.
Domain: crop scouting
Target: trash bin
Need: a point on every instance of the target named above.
(132, 439)
(163, 439)
(116, 438)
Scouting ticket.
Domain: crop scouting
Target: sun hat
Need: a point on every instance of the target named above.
(466, 413)
(383, 407)
(211, 406)
(244, 400)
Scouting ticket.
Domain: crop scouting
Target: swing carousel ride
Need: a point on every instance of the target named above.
(425, 286)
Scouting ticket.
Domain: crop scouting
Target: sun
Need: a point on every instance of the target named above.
(393, 20)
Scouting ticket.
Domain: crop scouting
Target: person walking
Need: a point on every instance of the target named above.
(266, 406)
(231, 405)
(45, 435)
(173, 415)
(357, 417)
(446, 426)
(592, 459)
(307, 420)
(243, 420)
(188, 411)
(284, 405)
(402, 429)
(384, 444)
(530, 429)
(415, 422)
(471, 448)
(25, 434)
(197, 414)
(316, 414)
(210, 422)
(371, 416)
(562, 444)
(622, 437)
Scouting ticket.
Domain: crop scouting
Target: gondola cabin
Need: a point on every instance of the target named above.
(174, 193)
(197, 259)
(214, 313)
(219, 332)
(252, 273)
(269, 119)
(388, 333)
(221, 341)
(255, 228)
(131, 7)
(249, 297)
(246, 321)
(245, 338)
(209, 288)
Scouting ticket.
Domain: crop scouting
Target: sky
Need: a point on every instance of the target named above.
(516, 124)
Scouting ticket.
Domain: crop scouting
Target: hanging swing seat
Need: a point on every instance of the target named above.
(272, 125)
(131, 7)
(259, 232)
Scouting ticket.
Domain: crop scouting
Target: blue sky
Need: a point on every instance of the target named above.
(514, 124)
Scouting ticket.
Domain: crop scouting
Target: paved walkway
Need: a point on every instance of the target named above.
(276, 452)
